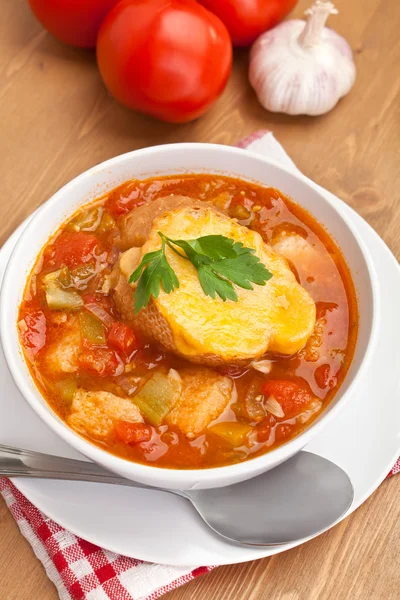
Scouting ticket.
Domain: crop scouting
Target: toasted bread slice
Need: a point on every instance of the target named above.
(277, 317)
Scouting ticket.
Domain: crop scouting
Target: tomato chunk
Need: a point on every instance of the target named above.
(292, 396)
(322, 376)
(33, 331)
(74, 248)
(122, 338)
(101, 361)
(124, 199)
(133, 433)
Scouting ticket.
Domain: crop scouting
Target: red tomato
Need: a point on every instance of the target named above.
(34, 331)
(167, 58)
(133, 433)
(292, 396)
(122, 338)
(122, 201)
(75, 22)
(101, 361)
(73, 249)
(247, 19)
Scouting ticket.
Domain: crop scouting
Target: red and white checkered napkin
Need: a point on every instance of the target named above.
(82, 571)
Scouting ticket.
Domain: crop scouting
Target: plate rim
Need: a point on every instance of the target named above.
(20, 482)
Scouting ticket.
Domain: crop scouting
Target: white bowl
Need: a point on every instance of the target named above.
(168, 160)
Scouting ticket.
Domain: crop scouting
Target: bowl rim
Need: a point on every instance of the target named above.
(152, 474)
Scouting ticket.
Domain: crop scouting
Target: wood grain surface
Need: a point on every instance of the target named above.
(57, 120)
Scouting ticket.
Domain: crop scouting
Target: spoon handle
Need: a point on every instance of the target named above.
(15, 462)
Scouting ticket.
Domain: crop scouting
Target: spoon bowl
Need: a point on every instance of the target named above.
(298, 499)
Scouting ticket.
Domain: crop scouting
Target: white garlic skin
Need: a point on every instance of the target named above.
(291, 79)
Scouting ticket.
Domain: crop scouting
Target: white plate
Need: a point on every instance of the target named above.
(364, 440)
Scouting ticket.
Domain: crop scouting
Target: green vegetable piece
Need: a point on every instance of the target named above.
(87, 220)
(92, 329)
(81, 276)
(158, 397)
(67, 389)
(57, 297)
(232, 432)
(106, 224)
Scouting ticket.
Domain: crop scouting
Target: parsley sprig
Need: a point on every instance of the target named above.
(220, 262)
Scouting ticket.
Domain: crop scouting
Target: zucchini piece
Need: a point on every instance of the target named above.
(92, 329)
(57, 297)
(87, 220)
(67, 389)
(158, 396)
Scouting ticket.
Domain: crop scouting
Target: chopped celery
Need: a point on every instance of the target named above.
(92, 329)
(87, 220)
(62, 277)
(57, 297)
(67, 389)
(158, 397)
(232, 432)
(106, 223)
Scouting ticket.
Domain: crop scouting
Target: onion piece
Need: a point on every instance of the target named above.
(100, 313)
(128, 383)
(272, 406)
(113, 256)
(264, 366)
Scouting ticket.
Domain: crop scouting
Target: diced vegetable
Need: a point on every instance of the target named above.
(232, 432)
(128, 383)
(158, 396)
(274, 407)
(101, 361)
(254, 402)
(98, 311)
(222, 200)
(123, 199)
(81, 276)
(292, 396)
(107, 223)
(322, 376)
(57, 297)
(67, 389)
(87, 220)
(122, 338)
(73, 248)
(264, 366)
(33, 331)
(240, 212)
(133, 433)
(92, 329)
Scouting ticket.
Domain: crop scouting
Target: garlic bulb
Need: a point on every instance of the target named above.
(302, 68)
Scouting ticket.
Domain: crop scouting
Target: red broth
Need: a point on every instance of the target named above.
(316, 372)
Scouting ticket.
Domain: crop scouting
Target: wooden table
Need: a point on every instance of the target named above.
(57, 120)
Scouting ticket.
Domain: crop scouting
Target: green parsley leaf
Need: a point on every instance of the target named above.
(242, 270)
(153, 271)
(213, 284)
(220, 262)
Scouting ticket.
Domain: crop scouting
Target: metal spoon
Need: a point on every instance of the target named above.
(298, 499)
